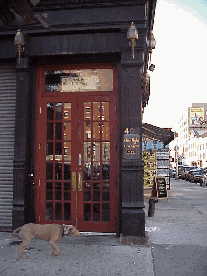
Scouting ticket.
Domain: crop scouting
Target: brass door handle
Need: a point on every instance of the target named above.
(80, 186)
(73, 181)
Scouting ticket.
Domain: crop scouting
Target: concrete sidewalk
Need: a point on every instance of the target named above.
(94, 255)
(82, 256)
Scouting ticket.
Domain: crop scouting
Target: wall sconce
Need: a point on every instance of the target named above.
(151, 42)
(132, 35)
(154, 143)
(145, 143)
(19, 42)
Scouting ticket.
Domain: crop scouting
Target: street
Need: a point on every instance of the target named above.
(178, 231)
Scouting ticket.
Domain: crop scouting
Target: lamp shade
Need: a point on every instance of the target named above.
(19, 39)
(132, 32)
(151, 42)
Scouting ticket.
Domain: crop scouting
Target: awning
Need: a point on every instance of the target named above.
(164, 135)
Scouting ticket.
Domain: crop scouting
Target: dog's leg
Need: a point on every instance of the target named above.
(22, 246)
(55, 249)
(17, 252)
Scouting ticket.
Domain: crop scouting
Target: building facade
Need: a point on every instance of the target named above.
(71, 113)
(190, 145)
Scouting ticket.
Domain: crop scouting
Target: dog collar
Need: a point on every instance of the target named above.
(63, 230)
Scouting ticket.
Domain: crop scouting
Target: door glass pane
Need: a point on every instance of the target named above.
(87, 130)
(58, 171)
(96, 212)
(67, 111)
(67, 171)
(87, 151)
(87, 191)
(105, 111)
(87, 111)
(96, 131)
(96, 171)
(105, 211)
(58, 131)
(106, 192)
(58, 213)
(96, 151)
(105, 77)
(67, 151)
(96, 111)
(49, 191)
(87, 212)
(79, 80)
(58, 151)
(58, 191)
(49, 151)
(49, 171)
(49, 131)
(87, 195)
(106, 171)
(67, 211)
(67, 131)
(52, 80)
(105, 151)
(58, 111)
(105, 131)
(48, 210)
(87, 186)
(67, 189)
(96, 192)
(87, 171)
(50, 111)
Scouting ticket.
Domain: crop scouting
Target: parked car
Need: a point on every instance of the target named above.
(180, 167)
(173, 172)
(190, 174)
(198, 177)
(194, 176)
(185, 170)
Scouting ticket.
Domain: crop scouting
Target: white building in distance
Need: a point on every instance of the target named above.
(190, 145)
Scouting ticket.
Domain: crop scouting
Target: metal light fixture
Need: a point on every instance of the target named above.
(151, 42)
(154, 143)
(19, 42)
(132, 35)
(145, 143)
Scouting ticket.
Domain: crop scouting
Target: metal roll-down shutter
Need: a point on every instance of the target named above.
(7, 127)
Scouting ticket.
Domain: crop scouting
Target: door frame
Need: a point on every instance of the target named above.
(39, 117)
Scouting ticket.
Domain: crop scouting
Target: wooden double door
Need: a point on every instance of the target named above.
(77, 161)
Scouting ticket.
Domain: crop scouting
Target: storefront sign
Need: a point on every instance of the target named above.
(161, 187)
(131, 144)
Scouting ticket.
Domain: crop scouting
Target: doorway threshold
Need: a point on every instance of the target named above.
(97, 234)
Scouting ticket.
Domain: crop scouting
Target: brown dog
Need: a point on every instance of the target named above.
(46, 232)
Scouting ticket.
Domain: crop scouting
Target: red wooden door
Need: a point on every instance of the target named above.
(76, 159)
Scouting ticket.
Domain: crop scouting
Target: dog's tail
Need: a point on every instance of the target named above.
(17, 230)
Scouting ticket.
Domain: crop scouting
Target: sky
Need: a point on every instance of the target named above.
(180, 58)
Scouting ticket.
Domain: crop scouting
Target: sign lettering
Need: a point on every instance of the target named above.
(131, 144)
